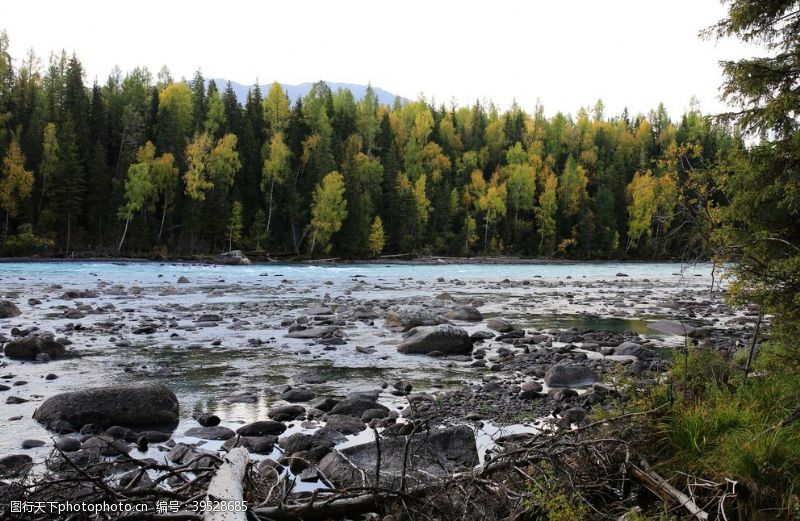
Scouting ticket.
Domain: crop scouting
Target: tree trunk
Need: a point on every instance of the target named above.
(753, 345)
(226, 486)
(124, 233)
(163, 217)
(41, 198)
(514, 228)
(661, 487)
(69, 230)
(269, 212)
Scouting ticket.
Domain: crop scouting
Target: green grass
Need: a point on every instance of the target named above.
(554, 505)
(721, 425)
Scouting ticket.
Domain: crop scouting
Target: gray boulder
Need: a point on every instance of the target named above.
(68, 444)
(356, 407)
(8, 309)
(33, 345)
(128, 405)
(344, 424)
(499, 325)
(298, 395)
(405, 319)
(672, 327)
(261, 428)
(14, 465)
(255, 444)
(569, 376)
(284, 413)
(312, 332)
(634, 349)
(446, 339)
(105, 445)
(439, 452)
(211, 433)
(465, 313)
(233, 258)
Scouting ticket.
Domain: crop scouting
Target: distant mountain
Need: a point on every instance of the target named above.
(299, 91)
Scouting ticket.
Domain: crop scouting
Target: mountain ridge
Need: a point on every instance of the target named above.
(301, 89)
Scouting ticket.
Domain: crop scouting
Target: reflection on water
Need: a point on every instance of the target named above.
(585, 323)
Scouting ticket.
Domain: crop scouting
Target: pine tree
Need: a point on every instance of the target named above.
(199, 103)
(235, 225)
(377, 239)
(69, 188)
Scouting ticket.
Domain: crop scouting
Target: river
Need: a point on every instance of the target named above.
(209, 363)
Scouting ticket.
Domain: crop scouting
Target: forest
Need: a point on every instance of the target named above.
(147, 166)
(144, 165)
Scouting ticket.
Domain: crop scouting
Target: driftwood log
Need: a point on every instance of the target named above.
(661, 487)
(227, 485)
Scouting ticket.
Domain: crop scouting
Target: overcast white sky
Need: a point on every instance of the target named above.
(631, 53)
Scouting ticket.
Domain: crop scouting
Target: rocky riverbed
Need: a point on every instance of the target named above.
(312, 361)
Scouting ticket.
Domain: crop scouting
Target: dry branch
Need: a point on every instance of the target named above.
(661, 487)
(226, 485)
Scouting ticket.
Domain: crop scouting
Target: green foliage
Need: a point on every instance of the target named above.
(235, 225)
(725, 426)
(276, 109)
(329, 210)
(16, 183)
(546, 213)
(608, 236)
(757, 230)
(554, 505)
(549, 184)
(377, 239)
(215, 119)
(139, 190)
(25, 242)
(210, 165)
(174, 117)
(69, 185)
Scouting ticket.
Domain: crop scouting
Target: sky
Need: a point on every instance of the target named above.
(565, 54)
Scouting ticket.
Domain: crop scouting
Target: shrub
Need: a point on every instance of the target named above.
(25, 242)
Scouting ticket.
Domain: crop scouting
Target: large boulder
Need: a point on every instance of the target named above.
(634, 349)
(32, 345)
(499, 324)
(283, 413)
(439, 452)
(409, 318)
(356, 407)
(672, 327)
(569, 376)
(255, 444)
(8, 309)
(211, 433)
(233, 258)
(261, 428)
(464, 313)
(445, 338)
(14, 465)
(127, 405)
(344, 423)
(313, 332)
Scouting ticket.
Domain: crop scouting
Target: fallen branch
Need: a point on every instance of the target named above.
(226, 486)
(661, 487)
